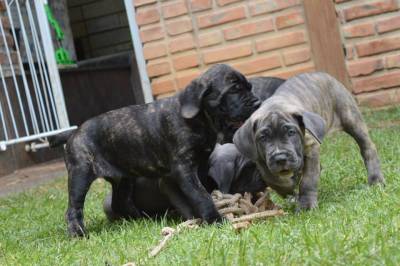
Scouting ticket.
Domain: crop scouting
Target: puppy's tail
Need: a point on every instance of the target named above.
(61, 138)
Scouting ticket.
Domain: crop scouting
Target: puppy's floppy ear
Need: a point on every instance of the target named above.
(244, 139)
(314, 123)
(223, 175)
(191, 98)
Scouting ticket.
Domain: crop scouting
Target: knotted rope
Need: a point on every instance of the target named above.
(238, 209)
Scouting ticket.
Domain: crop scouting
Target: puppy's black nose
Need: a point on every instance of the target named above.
(280, 159)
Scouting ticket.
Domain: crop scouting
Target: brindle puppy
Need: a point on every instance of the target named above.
(170, 139)
(283, 136)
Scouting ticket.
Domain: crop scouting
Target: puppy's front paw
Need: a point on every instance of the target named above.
(214, 217)
(74, 219)
(376, 179)
(307, 202)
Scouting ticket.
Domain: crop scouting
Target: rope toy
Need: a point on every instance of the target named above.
(237, 209)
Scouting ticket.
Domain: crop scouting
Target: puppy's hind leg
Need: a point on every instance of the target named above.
(122, 199)
(119, 203)
(354, 125)
(107, 207)
(80, 177)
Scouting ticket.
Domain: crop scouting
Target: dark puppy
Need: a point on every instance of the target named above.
(283, 136)
(170, 140)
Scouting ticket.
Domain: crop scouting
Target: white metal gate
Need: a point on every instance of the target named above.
(37, 108)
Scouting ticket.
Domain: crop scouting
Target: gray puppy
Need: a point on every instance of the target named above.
(232, 172)
(283, 136)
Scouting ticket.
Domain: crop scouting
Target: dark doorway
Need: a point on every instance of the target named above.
(99, 27)
(105, 76)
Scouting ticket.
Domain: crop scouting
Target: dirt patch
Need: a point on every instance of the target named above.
(30, 177)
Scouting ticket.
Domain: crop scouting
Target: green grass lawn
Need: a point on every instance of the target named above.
(354, 224)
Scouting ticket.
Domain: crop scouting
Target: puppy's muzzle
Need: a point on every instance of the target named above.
(249, 107)
(281, 163)
(280, 159)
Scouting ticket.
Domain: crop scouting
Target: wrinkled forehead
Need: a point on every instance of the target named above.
(275, 120)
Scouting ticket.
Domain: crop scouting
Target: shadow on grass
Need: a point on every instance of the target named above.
(101, 226)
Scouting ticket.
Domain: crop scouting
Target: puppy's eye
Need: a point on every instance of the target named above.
(235, 89)
(263, 137)
(291, 132)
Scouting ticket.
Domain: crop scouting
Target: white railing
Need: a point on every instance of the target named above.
(37, 108)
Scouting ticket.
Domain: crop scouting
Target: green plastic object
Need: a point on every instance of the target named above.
(62, 55)
(54, 23)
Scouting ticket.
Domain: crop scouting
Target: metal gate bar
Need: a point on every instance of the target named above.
(42, 67)
(23, 75)
(12, 72)
(40, 103)
(3, 122)
(8, 101)
(51, 62)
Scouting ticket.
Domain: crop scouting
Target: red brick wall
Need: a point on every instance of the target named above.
(371, 34)
(182, 38)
